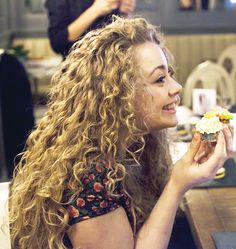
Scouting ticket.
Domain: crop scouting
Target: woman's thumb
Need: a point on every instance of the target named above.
(193, 147)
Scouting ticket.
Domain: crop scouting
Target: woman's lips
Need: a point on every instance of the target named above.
(170, 108)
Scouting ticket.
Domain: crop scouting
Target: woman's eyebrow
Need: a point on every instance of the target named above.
(161, 67)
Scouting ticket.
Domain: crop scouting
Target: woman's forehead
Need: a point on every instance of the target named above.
(150, 55)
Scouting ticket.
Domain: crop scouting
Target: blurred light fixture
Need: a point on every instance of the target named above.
(230, 4)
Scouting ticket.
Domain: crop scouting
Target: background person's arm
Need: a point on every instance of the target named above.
(89, 16)
(62, 32)
(127, 7)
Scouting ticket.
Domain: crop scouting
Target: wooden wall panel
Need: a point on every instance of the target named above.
(190, 50)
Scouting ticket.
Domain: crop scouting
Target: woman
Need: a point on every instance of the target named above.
(70, 19)
(96, 172)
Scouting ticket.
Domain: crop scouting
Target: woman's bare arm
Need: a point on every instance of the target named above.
(108, 231)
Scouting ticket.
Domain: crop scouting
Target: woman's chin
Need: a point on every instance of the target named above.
(172, 122)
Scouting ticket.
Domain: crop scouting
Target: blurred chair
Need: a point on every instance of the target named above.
(227, 59)
(4, 222)
(209, 75)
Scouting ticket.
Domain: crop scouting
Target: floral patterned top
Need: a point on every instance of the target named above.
(93, 199)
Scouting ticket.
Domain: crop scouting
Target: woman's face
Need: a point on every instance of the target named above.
(157, 93)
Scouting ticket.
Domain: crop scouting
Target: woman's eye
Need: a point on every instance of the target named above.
(160, 80)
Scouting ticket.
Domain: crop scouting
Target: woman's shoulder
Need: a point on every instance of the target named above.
(93, 197)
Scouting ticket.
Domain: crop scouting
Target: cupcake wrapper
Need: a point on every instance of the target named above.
(212, 137)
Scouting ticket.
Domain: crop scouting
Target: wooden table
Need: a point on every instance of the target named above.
(210, 210)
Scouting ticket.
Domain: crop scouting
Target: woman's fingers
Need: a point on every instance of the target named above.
(231, 128)
(203, 159)
(193, 148)
(228, 133)
(206, 156)
(217, 159)
(204, 150)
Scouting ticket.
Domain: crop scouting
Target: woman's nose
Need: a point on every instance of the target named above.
(175, 88)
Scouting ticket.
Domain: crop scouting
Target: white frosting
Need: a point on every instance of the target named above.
(209, 125)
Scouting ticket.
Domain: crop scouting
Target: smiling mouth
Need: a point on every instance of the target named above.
(169, 107)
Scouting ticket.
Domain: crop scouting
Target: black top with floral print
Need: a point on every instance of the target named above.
(93, 199)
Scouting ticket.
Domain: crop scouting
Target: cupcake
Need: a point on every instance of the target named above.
(209, 128)
(224, 115)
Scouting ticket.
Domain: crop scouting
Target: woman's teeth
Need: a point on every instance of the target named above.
(169, 107)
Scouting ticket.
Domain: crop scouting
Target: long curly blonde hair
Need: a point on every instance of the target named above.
(91, 100)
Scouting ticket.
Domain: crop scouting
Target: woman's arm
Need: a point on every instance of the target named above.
(113, 231)
(108, 231)
(156, 231)
(187, 172)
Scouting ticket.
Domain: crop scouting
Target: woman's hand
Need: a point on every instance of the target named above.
(201, 161)
(104, 7)
(206, 147)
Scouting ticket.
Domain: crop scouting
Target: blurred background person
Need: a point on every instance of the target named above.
(68, 20)
(187, 4)
(16, 103)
